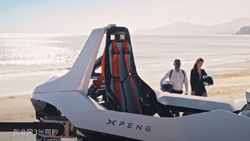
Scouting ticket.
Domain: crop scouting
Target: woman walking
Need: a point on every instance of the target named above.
(197, 74)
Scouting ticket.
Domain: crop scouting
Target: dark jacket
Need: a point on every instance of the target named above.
(197, 82)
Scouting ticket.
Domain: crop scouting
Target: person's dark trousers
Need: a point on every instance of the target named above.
(175, 91)
(176, 113)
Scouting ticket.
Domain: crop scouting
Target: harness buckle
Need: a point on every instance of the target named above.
(126, 51)
(116, 51)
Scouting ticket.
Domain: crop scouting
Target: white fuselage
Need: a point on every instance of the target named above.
(69, 94)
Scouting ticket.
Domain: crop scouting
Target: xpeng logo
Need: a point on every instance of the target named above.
(111, 122)
(129, 125)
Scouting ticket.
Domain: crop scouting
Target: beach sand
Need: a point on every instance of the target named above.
(16, 108)
(230, 85)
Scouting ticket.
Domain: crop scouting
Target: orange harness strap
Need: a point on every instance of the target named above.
(126, 53)
(98, 82)
(116, 74)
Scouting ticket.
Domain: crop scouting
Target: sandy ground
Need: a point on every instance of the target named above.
(16, 108)
(233, 84)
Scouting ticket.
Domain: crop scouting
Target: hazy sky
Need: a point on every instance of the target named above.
(81, 16)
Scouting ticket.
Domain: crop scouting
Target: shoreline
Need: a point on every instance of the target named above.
(15, 94)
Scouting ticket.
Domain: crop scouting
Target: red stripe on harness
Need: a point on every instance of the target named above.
(126, 53)
(116, 73)
(98, 82)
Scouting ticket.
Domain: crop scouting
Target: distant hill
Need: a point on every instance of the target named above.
(244, 30)
(187, 28)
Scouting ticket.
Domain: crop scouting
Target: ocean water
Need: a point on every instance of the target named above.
(155, 54)
(27, 60)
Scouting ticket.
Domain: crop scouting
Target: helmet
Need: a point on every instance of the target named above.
(207, 80)
(167, 86)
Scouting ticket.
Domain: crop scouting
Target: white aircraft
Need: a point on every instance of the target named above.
(119, 105)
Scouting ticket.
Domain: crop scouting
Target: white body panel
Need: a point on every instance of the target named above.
(248, 95)
(201, 103)
(84, 113)
(68, 94)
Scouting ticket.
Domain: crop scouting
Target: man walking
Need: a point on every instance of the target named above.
(177, 77)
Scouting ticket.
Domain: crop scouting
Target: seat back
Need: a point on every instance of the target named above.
(123, 84)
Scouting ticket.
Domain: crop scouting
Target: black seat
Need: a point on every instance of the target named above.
(124, 90)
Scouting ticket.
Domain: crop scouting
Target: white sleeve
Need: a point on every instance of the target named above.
(164, 77)
(186, 83)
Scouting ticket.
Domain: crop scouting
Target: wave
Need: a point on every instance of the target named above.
(16, 94)
(11, 72)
